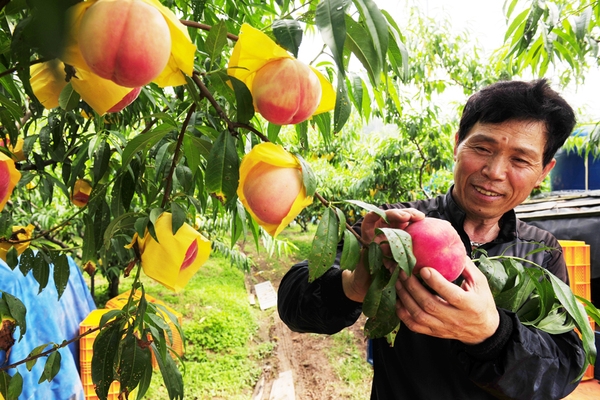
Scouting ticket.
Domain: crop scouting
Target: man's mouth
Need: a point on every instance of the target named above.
(486, 192)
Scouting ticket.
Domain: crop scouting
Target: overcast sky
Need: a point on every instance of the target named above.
(485, 19)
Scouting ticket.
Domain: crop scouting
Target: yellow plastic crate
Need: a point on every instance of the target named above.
(577, 258)
(119, 302)
(86, 346)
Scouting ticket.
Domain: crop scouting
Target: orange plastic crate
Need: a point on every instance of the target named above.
(577, 258)
(86, 346)
(119, 302)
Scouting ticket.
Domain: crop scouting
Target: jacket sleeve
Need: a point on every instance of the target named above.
(520, 362)
(319, 306)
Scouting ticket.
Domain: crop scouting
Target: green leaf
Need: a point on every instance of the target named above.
(495, 273)
(68, 98)
(101, 161)
(383, 319)
(332, 25)
(222, 170)
(14, 109)
(171, 375)
(4, 382)
(357, 93)
(105, 350)
(323, 121)
(342, 223)
(375, 258)
(369, 207)
(342, 106)
(178, 216)
(134, 361)
(288, 34)
(243, 100)
(350, 251)
(15, 387)
(377, 28)
(273, 132)
(61, 272)
(144, 142)
(12, 257)
(196, 148)
(216, 39)
(51, 367)
(361, 45)
(400, 244)
(309, 178)
(39, 349)
(145, 381)
(41, 270)
(577, 311)
(324, 245)
(302, 133)
(17, 311)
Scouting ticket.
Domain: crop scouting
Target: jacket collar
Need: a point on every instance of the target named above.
(456, 216)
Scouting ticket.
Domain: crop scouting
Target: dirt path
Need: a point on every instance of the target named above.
(306, 356)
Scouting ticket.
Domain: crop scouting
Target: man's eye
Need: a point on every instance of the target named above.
(520, 161)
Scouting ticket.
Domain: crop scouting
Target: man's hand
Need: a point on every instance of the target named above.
(467, 313)
(356, 283)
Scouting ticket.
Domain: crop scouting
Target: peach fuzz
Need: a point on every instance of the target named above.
(270, 191)
(286, 91)
(126, 41)
(436, 244)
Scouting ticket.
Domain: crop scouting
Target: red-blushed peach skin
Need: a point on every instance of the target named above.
(436, 244)
(126, 41)
(270, 191)
(286, 91)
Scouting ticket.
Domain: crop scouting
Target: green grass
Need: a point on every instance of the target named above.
(221, 359)
(350, 365)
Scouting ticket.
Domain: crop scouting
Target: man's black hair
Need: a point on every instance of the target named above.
(522, 101)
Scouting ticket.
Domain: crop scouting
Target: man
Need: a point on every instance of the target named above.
(456, 344)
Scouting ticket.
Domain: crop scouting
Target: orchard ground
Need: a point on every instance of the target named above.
(236, 351)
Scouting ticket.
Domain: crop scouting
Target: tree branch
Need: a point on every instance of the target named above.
(194, 24)
(169, 182)
(65, 343)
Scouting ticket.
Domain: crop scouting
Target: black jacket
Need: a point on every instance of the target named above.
(517, 362)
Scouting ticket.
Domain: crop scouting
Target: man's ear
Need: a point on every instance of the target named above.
(546, 171)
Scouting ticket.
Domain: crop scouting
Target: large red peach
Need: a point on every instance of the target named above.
(286, 91)
(126, 41)
(270, 191)
(436, 244)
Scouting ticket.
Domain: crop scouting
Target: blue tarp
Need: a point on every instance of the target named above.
(48, 320)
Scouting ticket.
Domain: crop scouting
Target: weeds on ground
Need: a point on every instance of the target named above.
(350, 365)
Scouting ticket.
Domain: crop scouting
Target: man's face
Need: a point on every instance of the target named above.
(497, 166)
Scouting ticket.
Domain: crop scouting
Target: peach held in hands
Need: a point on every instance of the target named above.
(126, 41)
(436, 244)
(286, 91)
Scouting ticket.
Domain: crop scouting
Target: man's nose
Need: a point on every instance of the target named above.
(495, 168)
